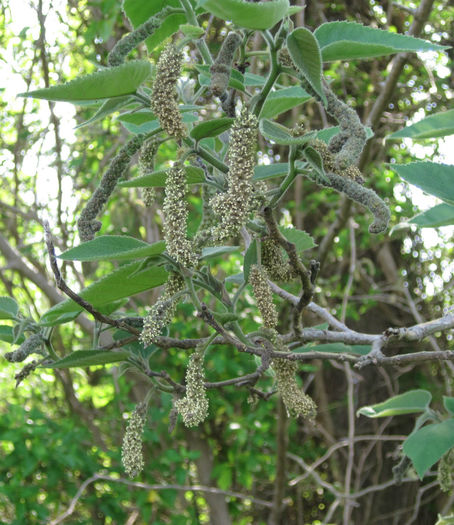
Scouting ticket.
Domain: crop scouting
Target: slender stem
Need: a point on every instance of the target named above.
(202, 152)
(192, 19)
(289, 178)
(257, 103)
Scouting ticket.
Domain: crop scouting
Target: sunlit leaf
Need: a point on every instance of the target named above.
(410, 402)
(433, 126)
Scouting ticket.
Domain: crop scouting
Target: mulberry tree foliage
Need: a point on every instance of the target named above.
(215, 150)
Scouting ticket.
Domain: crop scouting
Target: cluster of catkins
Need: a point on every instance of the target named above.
(296, 402)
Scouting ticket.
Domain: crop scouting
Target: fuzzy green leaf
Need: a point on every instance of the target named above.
(327, 133)
(440, 215)
(282, 135)
(448, 403)
(215, 251)
(123, 282)
(282, 100)
(105, 83)
(270, 171)
(426, 446)
(82, 358)
(315, 161)
(211, 128)
(7, 335)
(260, 15)
(157, 179)
(145, 121)
(109, 106)
(305, 52)
(8, 308)
(301, 239)
(139, 12)
(433, 126)
(113, 247)
(410, 402)
(435, 179)
(350, 40)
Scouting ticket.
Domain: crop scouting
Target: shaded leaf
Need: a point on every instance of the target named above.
(123, 282)
(260, 15)
(270, 171)
(410, 402)
(448, 403)
(433, 126)
(305, 52)
(282, 135)
(435, 179)
(350, 40)
(7, 335)
(327, 133)
(8, 308)
(440, 215)
(105, 83)
(282, 100)
(426, 445)
(89, 358)
(211, 128)
(301, 239)
(109, 106)
(158, 178)
(215, 251)
(112, 247)
(315, 161)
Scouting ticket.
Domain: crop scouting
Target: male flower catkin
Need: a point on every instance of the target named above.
(86, 223)
(32, 345)
(295, 400)
(222, 66)
(146, 165)
(175, 212)
(233, 206)
(164, 96)
(445, 471)
(162, 311)
(264, 296)
(193, 408)
(131, 451)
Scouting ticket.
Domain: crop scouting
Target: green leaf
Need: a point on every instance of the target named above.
(327, 133)
(270, 171)
(440, 215)
(282, 135)
(158, 178)
(7, 335)
(433, 126)
(215, 251)
(109, 106)
(192, 31)
(426, 446)
(260, 15)
(294, 9)
(112, 247)
(145, 121)
(302, 240)
(105, 83)
(139, 12)
(89, 358)
(123, 282)
(282, 100)
(408, 403)
(8, 308)
(305, 52)
(250, 258)
(211, 128)
(350, 40)
(237, 80)
(315, 161)
(448, 403)
(435, 179)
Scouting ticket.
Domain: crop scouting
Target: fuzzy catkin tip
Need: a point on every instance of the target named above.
(164, 96)
(32, 345)
(131, 451)
(295, 400)
(193, 408)
(233, 206)
(222, 66)
(264, 296)
(175, 212)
